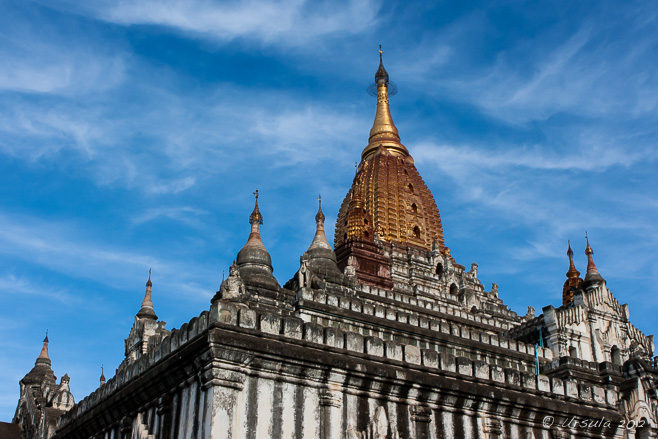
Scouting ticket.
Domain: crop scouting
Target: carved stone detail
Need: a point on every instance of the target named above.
(377, 428)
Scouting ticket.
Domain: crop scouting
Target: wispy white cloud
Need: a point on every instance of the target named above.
(306, 134)
(184, 214)
(551, 196)
(173, 187)
(64, 247)
(170, 146)
(48, 69)
(10, 284)
(457, 160)
(286, 22)
(567, 67)
(40, 57)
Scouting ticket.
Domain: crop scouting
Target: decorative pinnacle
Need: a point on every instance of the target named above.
(319, 218)
(44, 349)
(320, 239)
(572, 273)
(102, 375)
(384, 133)
(382, 74)
(147, 310)
(591, 267)
(256, 217)
(588, 249)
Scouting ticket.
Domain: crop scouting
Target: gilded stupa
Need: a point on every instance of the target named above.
(388, 203)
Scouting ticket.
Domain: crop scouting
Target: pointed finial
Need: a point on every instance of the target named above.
(44, 349)
(383, 132)
(591, 267)
(256, 217)
(102, 379)
(572, 273)
(147, 311)
(319, 217)
(320, 247)
(253, 260)
(382, 75)
(588, 249)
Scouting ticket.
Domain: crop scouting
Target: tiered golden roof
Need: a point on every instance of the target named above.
(388, 199)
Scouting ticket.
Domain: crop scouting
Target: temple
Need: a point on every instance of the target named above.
(388, 337)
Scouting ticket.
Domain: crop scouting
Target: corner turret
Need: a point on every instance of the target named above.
(321, 255)
(592, 278)
(253, 261)
(145, 327)
(42, 400)
(147, 310)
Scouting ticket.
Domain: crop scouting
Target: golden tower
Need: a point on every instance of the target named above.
(388, 202)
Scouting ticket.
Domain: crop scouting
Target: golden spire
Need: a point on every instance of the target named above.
(44, 349)
(388, 200)
(102, 379)
(147, 310)
(573, 282)
(572, 273)
(256, 217)
(383, 132)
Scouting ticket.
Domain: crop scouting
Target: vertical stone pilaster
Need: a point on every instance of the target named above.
(597, 352)
(223, 387)
(160, 429)
(126, 427)
(331, 403)
(421, 417)
(493, 428)
(561, 434)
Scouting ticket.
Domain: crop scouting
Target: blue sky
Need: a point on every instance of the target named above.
(133, 133)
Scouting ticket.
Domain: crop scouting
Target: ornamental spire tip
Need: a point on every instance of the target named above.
(319, 218)
(256, 217)
(383, 133)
